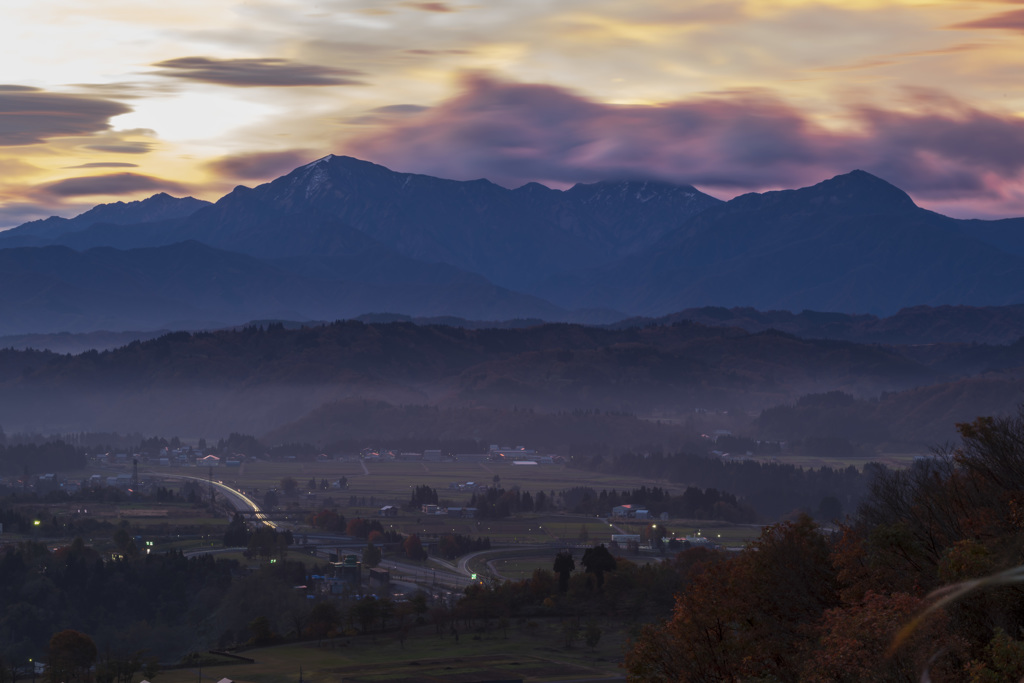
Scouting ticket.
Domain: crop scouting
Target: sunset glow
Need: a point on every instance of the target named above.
(197, 96)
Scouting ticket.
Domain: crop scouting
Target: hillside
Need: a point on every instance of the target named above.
(916, 325)
(254, 379)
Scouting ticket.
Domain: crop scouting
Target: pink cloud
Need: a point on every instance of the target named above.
(938, 150)
(1013, 21)
(260, 165)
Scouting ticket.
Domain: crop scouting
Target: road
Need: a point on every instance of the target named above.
(238, 500)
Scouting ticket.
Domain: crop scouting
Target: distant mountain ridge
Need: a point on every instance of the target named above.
(853, 243)
(379, 241)
(916, 325)
(159, 207)
(339, 205)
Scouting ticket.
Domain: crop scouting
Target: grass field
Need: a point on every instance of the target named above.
(531, 650)
(391, 482)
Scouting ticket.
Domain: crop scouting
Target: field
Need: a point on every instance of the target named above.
(533, 651)
(371, 485)
(391, 482)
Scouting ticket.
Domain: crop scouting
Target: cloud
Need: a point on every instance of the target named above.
(1013, 20)
(513, 133)
(431, 6)
(455, 51)
(256, 72)
(110, 184)
(382, 115)
(400, 109)
(105, 164)
(30, 115)
(126, 147)
(260, 165)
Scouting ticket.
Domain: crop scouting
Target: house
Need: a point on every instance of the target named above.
(631, 512)
(388, 511)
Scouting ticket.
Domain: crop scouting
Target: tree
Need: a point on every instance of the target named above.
(365, 611)
(592, 635)
(323, 618)
(289, 486)
(414, 548)
(71, 654)
(564, 566)
(597, 561)
(261, 631)
(855, 640)
(371, 555)
(237, 533)
(749, 618)
(570, 632)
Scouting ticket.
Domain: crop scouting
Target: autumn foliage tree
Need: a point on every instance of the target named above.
(71, 655)
(413, 547)
(742, 620)
(860, 604)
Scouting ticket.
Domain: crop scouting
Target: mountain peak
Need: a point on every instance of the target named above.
(861, 186)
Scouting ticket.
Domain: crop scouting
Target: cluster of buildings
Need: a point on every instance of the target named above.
(185, 456)
(496, 453)
(431, 509)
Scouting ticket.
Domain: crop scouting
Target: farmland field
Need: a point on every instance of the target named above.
(373, 484)
(532, 651)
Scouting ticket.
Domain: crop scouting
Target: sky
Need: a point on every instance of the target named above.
(115, 100)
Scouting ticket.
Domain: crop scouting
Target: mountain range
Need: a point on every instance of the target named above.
(341, 237)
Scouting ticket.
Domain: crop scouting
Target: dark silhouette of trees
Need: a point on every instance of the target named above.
(597, 561)
(237, 533)
(371, 555)
(564, 566)
(422, 495)
(451, 546)
(289, 486)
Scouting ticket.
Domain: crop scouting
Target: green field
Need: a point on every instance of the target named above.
(532, 650)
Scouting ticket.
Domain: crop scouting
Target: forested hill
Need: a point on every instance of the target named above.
(255, 378)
